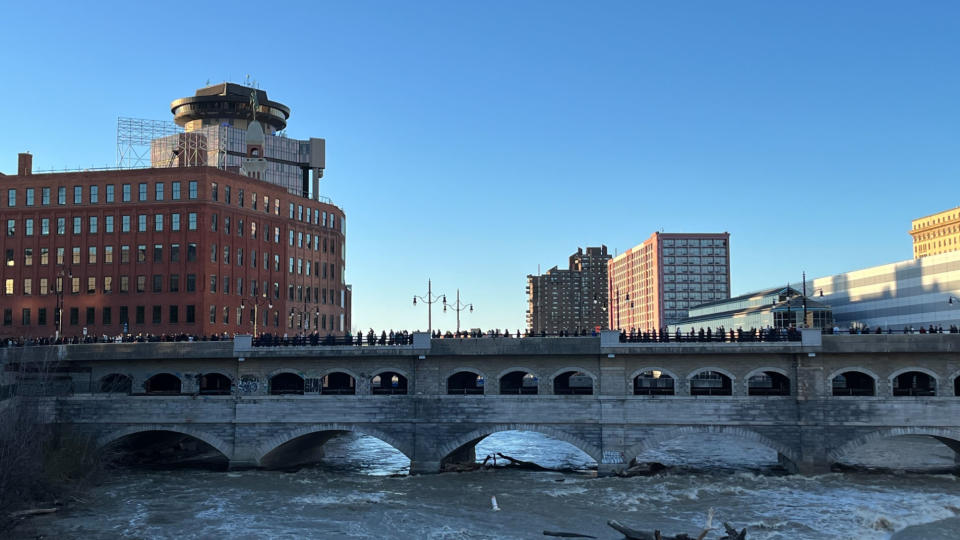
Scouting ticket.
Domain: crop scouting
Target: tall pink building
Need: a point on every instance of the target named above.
(653, 284)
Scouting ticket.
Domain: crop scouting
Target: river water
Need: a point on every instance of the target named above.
(361, 491)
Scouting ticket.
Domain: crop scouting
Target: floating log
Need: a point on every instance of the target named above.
(562, 534)
(32, 512)
(635, 534)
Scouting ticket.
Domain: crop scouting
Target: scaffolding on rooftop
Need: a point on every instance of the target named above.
(134, 136)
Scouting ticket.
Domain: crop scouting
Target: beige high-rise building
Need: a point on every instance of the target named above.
(937, 233)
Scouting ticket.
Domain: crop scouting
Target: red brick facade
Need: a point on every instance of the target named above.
(168, 251)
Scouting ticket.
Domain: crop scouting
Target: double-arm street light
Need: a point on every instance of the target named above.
(458, 307)
(256, 309)
(59, 285)
(430, 299)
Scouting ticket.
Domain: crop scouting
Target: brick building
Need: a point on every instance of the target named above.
(572, 299)
(197, 250)
(652, 285)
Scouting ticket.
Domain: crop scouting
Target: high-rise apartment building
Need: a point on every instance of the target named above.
(937, 233)
(573, 299)
(654, 284)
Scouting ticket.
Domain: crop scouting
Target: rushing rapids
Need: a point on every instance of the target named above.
(360, 490)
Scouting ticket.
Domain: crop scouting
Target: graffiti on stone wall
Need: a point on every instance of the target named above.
(248, 384)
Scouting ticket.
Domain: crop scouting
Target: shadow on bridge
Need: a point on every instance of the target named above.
(713, 448)
(163, 449)
(914, 449)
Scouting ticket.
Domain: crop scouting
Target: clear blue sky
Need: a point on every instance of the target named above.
(470, 142)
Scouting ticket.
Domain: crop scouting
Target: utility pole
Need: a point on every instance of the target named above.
(430, 300)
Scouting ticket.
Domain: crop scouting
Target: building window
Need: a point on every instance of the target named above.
(214, 191)
(141, 223)
(213, 283)
(213, 314)
(92, 255)
(76, 255)
(125, 192)
(158, 191)
(111, 193)
(174, 252)
(91, 285)
(94, 194)
(141, 283)
(25, 317)
(174, 282)
(226, 315)
(141, 253)
(141, 313)
(93, 225)
(108, 254)
(124, 223)
(45, 196)
(191, 282)
(175, 191)
(158, 253)
(30, 196)
(107, 284)
(42, 317)
(142, 191)
(77, 194)
(108, 224)
(124, 284)
(44, 256)
(226, 194)
(11, 198)
(174, 222)
(191, 314)
(60, 252)
(213, 222)
(174, 315)
(124, 254)
(158, 222)
(192, 221)
(157, 283)
(213, 253)
(77, 225)
(191, 252)
(27, 286)
(156, 314)
(192, 187)
(74, 316)
(28, 227)
(107, 316)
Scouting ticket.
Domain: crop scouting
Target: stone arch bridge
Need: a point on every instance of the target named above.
(811, 401)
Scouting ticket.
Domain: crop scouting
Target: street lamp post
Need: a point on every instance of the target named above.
(59, 285)
(256, 310)
(458, 307)
(430, 299)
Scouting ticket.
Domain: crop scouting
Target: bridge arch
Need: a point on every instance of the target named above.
(954, 383)
(532, 390)
(791, 389)
(631, 381)
(948, 436)
(479, 434)
(163, 382)
(398, 371)
(287, 387)
(729, 375)
(447, 389)
(855, 369)
(404, 384)
(216, 372)
(216, 442)
(593, 376)
(116, 383)
(742, 433)
(938, 389)
(279, 440)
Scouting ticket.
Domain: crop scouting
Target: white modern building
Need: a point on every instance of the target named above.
(915, 292)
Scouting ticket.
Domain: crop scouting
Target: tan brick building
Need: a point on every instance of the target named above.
(937, 233)
(573, 299)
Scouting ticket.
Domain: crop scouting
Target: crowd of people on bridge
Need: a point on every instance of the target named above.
(404, 337)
